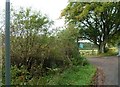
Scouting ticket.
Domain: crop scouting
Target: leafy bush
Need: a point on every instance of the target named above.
(80, 61)
(35, 51)
(19, 76)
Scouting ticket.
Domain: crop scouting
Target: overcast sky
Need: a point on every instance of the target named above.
(52, 8)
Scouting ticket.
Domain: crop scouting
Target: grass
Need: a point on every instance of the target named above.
(102, 55)
(89, 53)
(77, 75)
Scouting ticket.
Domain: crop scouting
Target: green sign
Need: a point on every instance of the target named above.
(81, 45)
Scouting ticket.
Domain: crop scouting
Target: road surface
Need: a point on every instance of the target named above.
(109, 65)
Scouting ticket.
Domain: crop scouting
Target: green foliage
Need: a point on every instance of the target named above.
(19, 76)
(80, 61)
(67, 39)
(115, 40)
(29, 39)
(34, 47)
(110, 52)
(75, 75)
(97, 22)
(36, 52)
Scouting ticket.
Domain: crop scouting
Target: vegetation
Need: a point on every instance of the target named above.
(115, 40)
(97, 22)
(44, 56)
(41, 57)
(76, 75)
(37, 53)
(89, 52)
(94, 53)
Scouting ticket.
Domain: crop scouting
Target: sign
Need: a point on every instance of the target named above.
(81, 45)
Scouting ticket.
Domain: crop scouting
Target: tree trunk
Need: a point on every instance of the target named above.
(101, 48)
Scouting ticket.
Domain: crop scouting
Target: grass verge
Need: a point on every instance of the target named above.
(77, 75)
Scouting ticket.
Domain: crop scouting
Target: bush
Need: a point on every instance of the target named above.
(18, 75)
(80, 61)
(34, 47)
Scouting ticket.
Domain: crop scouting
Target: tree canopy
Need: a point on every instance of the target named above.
(97, 22)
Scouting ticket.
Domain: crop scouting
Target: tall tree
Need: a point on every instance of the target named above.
(115, 40)
(97, 22)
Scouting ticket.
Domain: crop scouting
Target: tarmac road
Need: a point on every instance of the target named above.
(109, 65)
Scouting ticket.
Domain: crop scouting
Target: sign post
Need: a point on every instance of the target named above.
(7, 44)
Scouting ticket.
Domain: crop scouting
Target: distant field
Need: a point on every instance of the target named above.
(112, 50)
(88, 52)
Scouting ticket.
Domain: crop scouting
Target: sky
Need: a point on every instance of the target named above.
(52, 8)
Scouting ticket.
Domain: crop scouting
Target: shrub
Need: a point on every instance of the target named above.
(18, 75)
(80, 61)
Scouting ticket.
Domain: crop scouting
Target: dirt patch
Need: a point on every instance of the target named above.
(98, 79)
